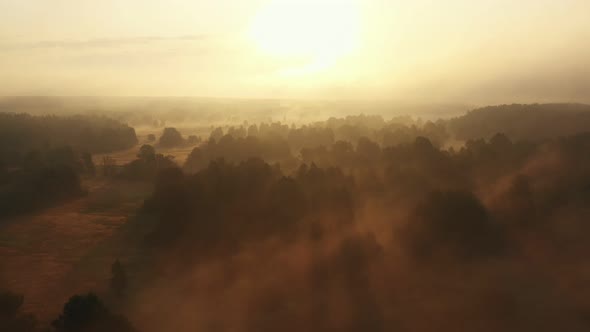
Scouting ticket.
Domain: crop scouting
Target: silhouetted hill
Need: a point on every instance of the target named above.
(528, 122)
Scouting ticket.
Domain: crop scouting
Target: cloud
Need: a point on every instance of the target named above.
(99, 42)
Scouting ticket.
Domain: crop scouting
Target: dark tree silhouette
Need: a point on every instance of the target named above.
(453, 223)
(11, 317)
(146, 153)
(21, 133)
(87, 313)
(35, 189)
(171, 138)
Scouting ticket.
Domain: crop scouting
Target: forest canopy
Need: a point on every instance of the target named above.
(355, 223)
(21, 133)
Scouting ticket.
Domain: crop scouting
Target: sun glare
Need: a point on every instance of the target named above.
(321, 31)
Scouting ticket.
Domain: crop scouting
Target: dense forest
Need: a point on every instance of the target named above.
(42, 157)
(387, 241)
(21, 133)
(356, 223)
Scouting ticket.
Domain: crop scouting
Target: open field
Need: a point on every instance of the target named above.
(65, 250)
(125, 156)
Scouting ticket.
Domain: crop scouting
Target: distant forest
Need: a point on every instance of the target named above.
(529, 122)
(21, 133)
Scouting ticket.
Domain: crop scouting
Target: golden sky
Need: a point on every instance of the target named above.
(484, 51)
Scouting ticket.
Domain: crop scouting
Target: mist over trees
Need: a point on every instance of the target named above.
(432, 213)
(351, 224)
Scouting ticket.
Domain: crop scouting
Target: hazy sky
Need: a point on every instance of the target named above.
(484, 51)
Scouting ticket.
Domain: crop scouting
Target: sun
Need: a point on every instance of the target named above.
(321, 31)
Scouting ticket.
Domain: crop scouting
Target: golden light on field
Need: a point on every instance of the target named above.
(318, 31)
